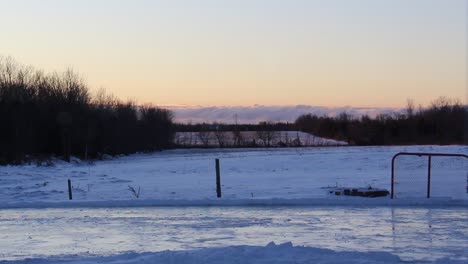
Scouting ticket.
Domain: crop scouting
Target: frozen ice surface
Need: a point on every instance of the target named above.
(408, 233)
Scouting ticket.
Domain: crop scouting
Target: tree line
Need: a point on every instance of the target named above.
(263, 134)
(43, 114)
(444, 121)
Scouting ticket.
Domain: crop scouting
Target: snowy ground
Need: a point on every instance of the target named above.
(351, 230)
(247, 175)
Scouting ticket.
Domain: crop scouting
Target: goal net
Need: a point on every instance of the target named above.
(448, 177)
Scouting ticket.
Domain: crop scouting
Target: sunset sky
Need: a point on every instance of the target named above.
(363, 53)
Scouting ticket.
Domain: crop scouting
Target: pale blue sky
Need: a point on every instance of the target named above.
(244, 52)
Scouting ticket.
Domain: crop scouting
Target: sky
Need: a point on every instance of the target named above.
(331, 53)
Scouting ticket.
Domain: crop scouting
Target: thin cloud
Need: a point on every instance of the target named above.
(257, 113)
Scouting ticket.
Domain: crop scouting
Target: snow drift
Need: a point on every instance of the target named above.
(273, 254)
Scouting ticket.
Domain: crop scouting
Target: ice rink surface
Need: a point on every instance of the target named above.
(412, 234)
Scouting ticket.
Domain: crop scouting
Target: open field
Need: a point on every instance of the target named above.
(247, 176)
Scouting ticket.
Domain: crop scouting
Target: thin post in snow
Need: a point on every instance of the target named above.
(429, 177)
(70, 197)
(218, 180)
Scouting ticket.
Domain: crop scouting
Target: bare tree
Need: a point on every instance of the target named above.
(204, 135)
(238, 138)
(409, 107)
(266, 133)
(220, 137)
(236, 134)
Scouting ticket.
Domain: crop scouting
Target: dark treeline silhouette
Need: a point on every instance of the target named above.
(212, 127)
(445, 121)
(262, 134)
(54, 114)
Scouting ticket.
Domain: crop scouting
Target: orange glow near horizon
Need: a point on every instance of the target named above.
(242, 53)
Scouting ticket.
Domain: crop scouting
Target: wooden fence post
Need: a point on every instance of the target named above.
(218, 180)
(69, 190)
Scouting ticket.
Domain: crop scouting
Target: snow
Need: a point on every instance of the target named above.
(272, 253)
(278, 194)
(249, 176)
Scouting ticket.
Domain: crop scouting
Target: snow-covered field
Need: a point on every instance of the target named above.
(281, 195)
(294, 175)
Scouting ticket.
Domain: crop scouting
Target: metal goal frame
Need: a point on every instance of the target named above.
(421, 154)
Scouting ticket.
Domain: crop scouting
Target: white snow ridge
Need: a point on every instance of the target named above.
(272, 254)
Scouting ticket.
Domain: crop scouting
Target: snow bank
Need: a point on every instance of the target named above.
(332, 201)
(272, 253)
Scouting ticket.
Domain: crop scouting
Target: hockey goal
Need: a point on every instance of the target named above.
(423, 174)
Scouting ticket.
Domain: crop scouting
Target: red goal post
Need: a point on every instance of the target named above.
(420, 154)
